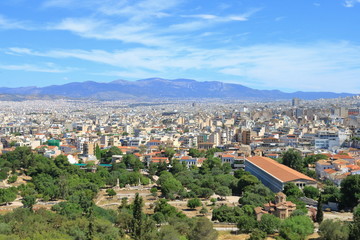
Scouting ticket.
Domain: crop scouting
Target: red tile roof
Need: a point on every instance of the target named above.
(279, 171)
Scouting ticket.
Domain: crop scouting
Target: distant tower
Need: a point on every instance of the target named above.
(295, 102)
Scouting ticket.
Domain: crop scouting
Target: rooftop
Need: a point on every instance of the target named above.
(280, 171)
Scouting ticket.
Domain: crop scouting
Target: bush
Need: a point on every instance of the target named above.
(194, 203)
(269, 223)
(298, 227)
(12, 179)
(257, 234)
(246, 223)
(334, 230)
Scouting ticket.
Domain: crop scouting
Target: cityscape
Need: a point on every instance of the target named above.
(179, 120)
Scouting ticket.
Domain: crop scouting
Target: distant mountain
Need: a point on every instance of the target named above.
(156, 88)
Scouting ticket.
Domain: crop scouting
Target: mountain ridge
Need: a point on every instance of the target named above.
(156, 88)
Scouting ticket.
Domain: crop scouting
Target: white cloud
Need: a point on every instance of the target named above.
(46, 68)
(350, 3)
(6, 23)
(317, 67)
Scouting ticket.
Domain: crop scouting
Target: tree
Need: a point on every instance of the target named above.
(7, 195)
(311, 192)
(213, 201)
(247, 180)
(168, 233)
(269, 223)
(250, 198)
(223, 191)
(12, 179)
(97, 152)
(261, 190)
(153, 191)
(205, 192)
(29, 201)
(169, 184)
(331, 194)
(194, 203)
(319, 212)
(297, 227)
(246, 223)
(293, 159)
(193, 152)
(350, 190)
(169, 153)
(355, 225)
(204, 210)
(137, 228)
(110, 192)
(257, 234)
(203, 229)
(290, 189)
(334, 230)
(227, 214)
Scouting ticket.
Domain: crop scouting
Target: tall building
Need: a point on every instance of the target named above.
(295, 102)
(245, 137)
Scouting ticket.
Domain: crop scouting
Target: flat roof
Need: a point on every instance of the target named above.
(279, 171)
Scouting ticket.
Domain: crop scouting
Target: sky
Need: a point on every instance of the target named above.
(297, 45)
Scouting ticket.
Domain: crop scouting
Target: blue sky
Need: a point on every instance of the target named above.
(309, 45)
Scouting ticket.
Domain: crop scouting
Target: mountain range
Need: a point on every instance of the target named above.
(158, 88)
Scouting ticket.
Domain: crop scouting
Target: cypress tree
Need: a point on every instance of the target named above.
(319, 212)
(137, 218)
(97, 152)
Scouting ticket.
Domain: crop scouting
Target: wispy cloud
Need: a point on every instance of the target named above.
(6, 23)
(46, 68)
(263, 66)
(350, 3)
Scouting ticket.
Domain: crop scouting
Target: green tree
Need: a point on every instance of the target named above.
(12, 179)
(297, 227)
(137, 228)
(7, 195)
(194, 203)
(169, 153)
(223, 191)
(97, 152)
(169, 185)
(311, 192)
(153, 191)
(227, 214)
(168, 233)
(29, 201)
(203, 229)
(204, 210)
(257, 234)
(319, 212)
(246, 223)
(331, 194)
(250, 198)
(193, 152)
(350, 191)
(269, 223)
(334, 230)
(293, 159)
(290, 189)
(110, 192)
(247, 180)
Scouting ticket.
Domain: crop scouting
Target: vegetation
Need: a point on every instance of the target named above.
(194, 203)
(334, 230)
(296, 227)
